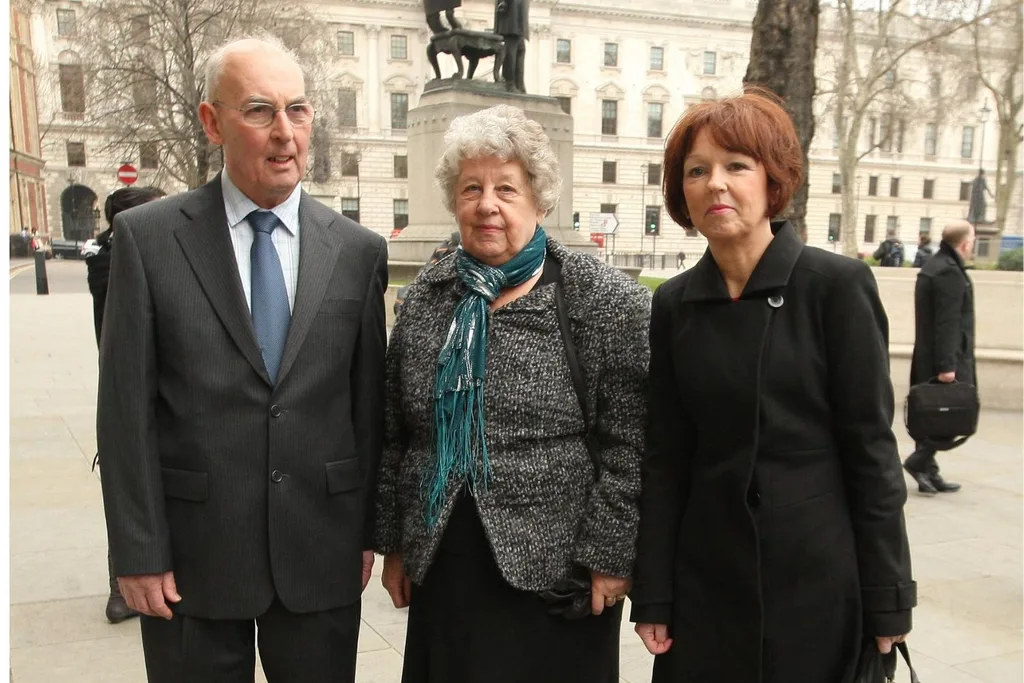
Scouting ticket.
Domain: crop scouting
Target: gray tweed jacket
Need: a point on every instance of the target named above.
(542, 509)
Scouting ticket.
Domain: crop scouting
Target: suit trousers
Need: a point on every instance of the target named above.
(923, 459)
(319, 647)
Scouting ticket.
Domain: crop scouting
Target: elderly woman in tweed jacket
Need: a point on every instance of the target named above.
(488, 493)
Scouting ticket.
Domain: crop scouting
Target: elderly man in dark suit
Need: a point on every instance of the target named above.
(240, 400)
(944, 343)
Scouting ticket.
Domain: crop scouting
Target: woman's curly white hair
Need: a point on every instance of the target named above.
(502, 131)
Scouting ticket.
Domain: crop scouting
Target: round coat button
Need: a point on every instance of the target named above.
(275, 411)
(276, 476)
(775, 301)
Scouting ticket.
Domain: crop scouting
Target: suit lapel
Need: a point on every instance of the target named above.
(207, 245)
(319, 246)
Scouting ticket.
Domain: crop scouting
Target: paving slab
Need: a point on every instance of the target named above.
(967, 547)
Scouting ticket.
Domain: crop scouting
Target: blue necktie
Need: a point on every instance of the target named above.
(270, 313)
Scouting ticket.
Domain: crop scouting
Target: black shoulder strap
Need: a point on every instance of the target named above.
(579, 382)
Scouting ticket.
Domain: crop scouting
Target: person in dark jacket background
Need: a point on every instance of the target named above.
(772, 540)
(944, 336)
(925, 251)
(98, 268)
(98, 265)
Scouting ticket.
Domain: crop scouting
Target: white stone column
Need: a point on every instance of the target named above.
(373, 78)
(542, 57)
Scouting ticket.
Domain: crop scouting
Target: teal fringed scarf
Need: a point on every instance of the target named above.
(459, 439)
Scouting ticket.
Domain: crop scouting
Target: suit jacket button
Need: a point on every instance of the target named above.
(275, 411)
(276, 476)
(753, 498)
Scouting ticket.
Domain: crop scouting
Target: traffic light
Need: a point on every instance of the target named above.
(576, 220)
(653, 226)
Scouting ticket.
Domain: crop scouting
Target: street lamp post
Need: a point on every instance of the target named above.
(982, 117)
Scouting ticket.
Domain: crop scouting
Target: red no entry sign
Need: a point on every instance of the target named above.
(127, 174)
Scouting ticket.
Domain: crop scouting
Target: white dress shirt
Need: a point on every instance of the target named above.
(286, 237)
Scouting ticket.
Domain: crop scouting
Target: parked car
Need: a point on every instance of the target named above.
(66, 249)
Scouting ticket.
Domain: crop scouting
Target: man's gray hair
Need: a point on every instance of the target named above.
(502, 131)
(214, 68)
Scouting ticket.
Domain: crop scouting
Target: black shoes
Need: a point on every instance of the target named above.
(930, 484)
(924, 482)
(943, 486)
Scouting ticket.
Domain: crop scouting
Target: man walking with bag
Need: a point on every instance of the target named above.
(944, 343)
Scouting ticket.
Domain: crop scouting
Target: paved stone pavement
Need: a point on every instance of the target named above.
(966, 547)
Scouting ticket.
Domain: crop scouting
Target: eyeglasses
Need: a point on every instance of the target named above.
(261, 114)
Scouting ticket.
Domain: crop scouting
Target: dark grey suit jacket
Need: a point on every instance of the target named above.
(244, 489)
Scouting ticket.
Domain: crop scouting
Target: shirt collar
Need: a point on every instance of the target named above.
(238, 206)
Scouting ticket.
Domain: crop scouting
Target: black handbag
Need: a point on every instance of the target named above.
(571, 597)
(874, 667)
(942, 414)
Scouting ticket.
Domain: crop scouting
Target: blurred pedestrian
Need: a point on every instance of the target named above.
(924, 250)
(944, 336)
(890, 252)
(507, 477)
(98, 272)
(772, 538)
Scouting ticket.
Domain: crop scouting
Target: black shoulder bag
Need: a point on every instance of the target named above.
(874, 667)
(941, 414)
(570, 597)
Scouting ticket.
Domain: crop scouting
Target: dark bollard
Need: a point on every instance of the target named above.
(42, 287)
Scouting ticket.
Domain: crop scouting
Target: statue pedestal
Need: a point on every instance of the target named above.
(443, 100)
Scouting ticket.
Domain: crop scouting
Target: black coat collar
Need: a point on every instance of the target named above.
(945, 248)
(771, 273)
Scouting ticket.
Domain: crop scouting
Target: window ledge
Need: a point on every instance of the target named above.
(616, 69)
(656, 72)
(394, 60)
(568, 65)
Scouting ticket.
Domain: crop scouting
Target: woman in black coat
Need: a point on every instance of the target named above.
(772, 539)
(98, 274)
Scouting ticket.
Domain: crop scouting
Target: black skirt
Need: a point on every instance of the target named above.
(468, 625)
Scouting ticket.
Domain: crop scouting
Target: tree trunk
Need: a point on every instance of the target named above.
(1006, 172)
(848, 163)
(782, 50)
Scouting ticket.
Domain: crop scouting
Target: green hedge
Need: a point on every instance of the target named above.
(1011, 260)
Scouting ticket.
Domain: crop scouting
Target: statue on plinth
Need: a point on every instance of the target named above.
(511, 21)
(976, 209)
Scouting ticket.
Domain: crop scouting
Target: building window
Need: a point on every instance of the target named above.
(72, 88)
(608, 171)
(981, 247)
(565, 103)
(66, 24)
(710, 63)
(890, 78)
(401, 166)
(967, 143)
(837, 183)
(347, 108)
(835, 226)
(929, 188)
(654, 174)
(76, 153)
(869, 228)
(935, 85)
(399, 110)
(346, 43)
(965, 191)
(399, 47)
(609, 117)
(894, 187)
(350, 208)
(657, 58)
(925, 227)
(892, 225)
(901, 128)
(655, 112)
(349, 164)
(563, 51)
(873, 186)
(149, 155)
(885, 134)
(401, 213)
(140, 30)
(971, 86)
(872, 133)
(836, 134)
(931, 138)
(609, 208)
(143, 94)
(611, 54)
